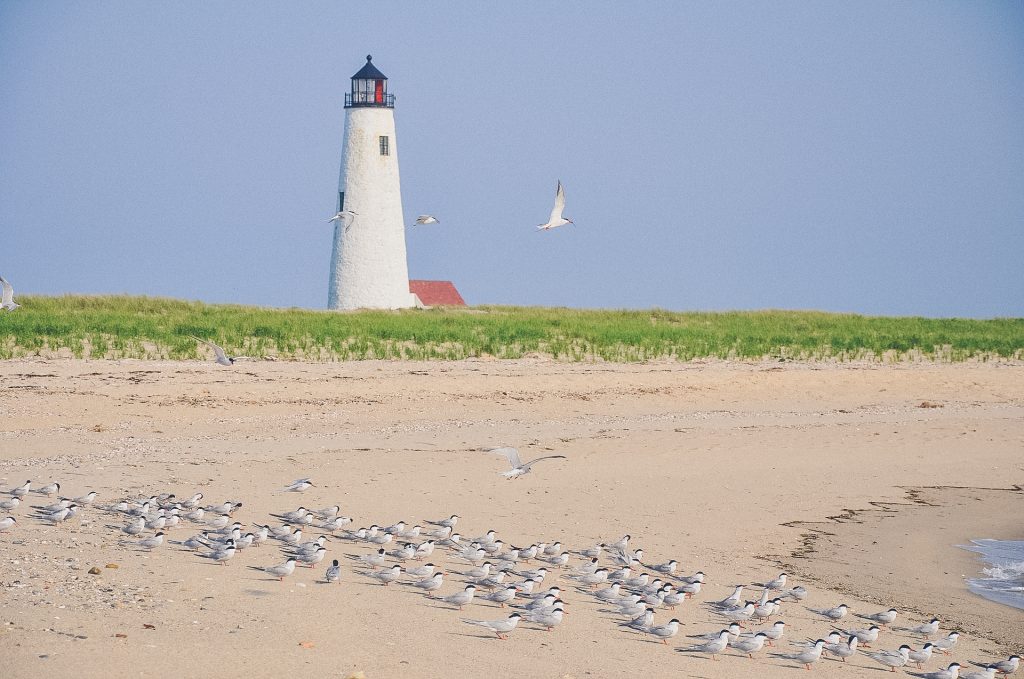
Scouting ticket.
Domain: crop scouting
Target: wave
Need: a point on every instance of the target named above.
(1003, 580)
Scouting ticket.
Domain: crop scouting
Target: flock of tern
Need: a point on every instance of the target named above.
(532, 582)
(345, 218)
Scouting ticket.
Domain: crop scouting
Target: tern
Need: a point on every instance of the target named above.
(218, 352)
(21, 491)
(864, 636)
(807, 657)
(518, 466)
(882, 618)
(462, 598)
(7, 299)
(666, 631)
(951, 672)
(750, 645)
(15, 501)
(500, 627)
(798, 593)
(7, 522)
(892, 659)
(333, 573)
(987, 673)
(386, 577)
(837, 613)
(431, 584)
(549, 619)
(344, 219)
(222, 555)
(1008, 666)
(713, 647)
(844, 649)
(49, 489)
(149, 543)
(427, 219)
(923, 655)
(947, 643)
(556, 219)
(299, 486)
(927, 629)
(280, 571)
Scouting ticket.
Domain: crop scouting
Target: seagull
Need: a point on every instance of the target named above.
(333, 572)
(499, 627)
(518, 466)
(344, 218)
(299, 486)
(427, 219)
(7, 300)
(218, 351)
(556, 219)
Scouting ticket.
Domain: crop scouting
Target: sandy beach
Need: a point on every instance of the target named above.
(857, 479)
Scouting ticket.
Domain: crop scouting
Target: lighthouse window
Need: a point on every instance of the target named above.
(385, 146)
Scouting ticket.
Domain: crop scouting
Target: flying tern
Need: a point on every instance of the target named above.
(518, 466)
(556, 219)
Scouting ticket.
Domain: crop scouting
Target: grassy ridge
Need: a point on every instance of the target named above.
(143, 327)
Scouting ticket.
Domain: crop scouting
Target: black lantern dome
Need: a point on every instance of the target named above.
(369, 88)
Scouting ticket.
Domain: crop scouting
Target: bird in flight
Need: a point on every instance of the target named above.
(556, 219)
(427, 219)
(7, 299)
(218, 351)
(345, 218)
(518, 466)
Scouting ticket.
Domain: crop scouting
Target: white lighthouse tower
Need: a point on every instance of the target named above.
(368, 265)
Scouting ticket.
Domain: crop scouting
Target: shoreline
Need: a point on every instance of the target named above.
(929, 525)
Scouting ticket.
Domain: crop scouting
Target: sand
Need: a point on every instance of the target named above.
(730, 468)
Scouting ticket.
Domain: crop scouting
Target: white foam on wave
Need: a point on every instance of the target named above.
(1004, 574)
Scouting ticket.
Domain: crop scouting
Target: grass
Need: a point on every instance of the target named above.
(155, 328)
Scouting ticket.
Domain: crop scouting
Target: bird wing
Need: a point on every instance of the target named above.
(546, 457)
(510, 454)
(8, 291)
(556, 211)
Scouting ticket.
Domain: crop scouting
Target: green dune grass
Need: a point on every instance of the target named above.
(155, 328)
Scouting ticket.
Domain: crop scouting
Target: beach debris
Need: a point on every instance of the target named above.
(95, 570)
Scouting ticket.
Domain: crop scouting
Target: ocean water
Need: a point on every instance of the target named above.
(1002, 578)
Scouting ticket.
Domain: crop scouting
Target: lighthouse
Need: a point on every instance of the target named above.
(368, 263)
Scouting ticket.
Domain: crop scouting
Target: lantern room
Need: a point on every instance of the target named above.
(369, 88)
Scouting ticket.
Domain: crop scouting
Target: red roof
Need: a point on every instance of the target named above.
(436, 293)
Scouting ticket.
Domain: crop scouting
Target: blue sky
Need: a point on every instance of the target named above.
(864, 157)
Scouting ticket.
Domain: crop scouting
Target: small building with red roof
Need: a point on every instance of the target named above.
(436, 293)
